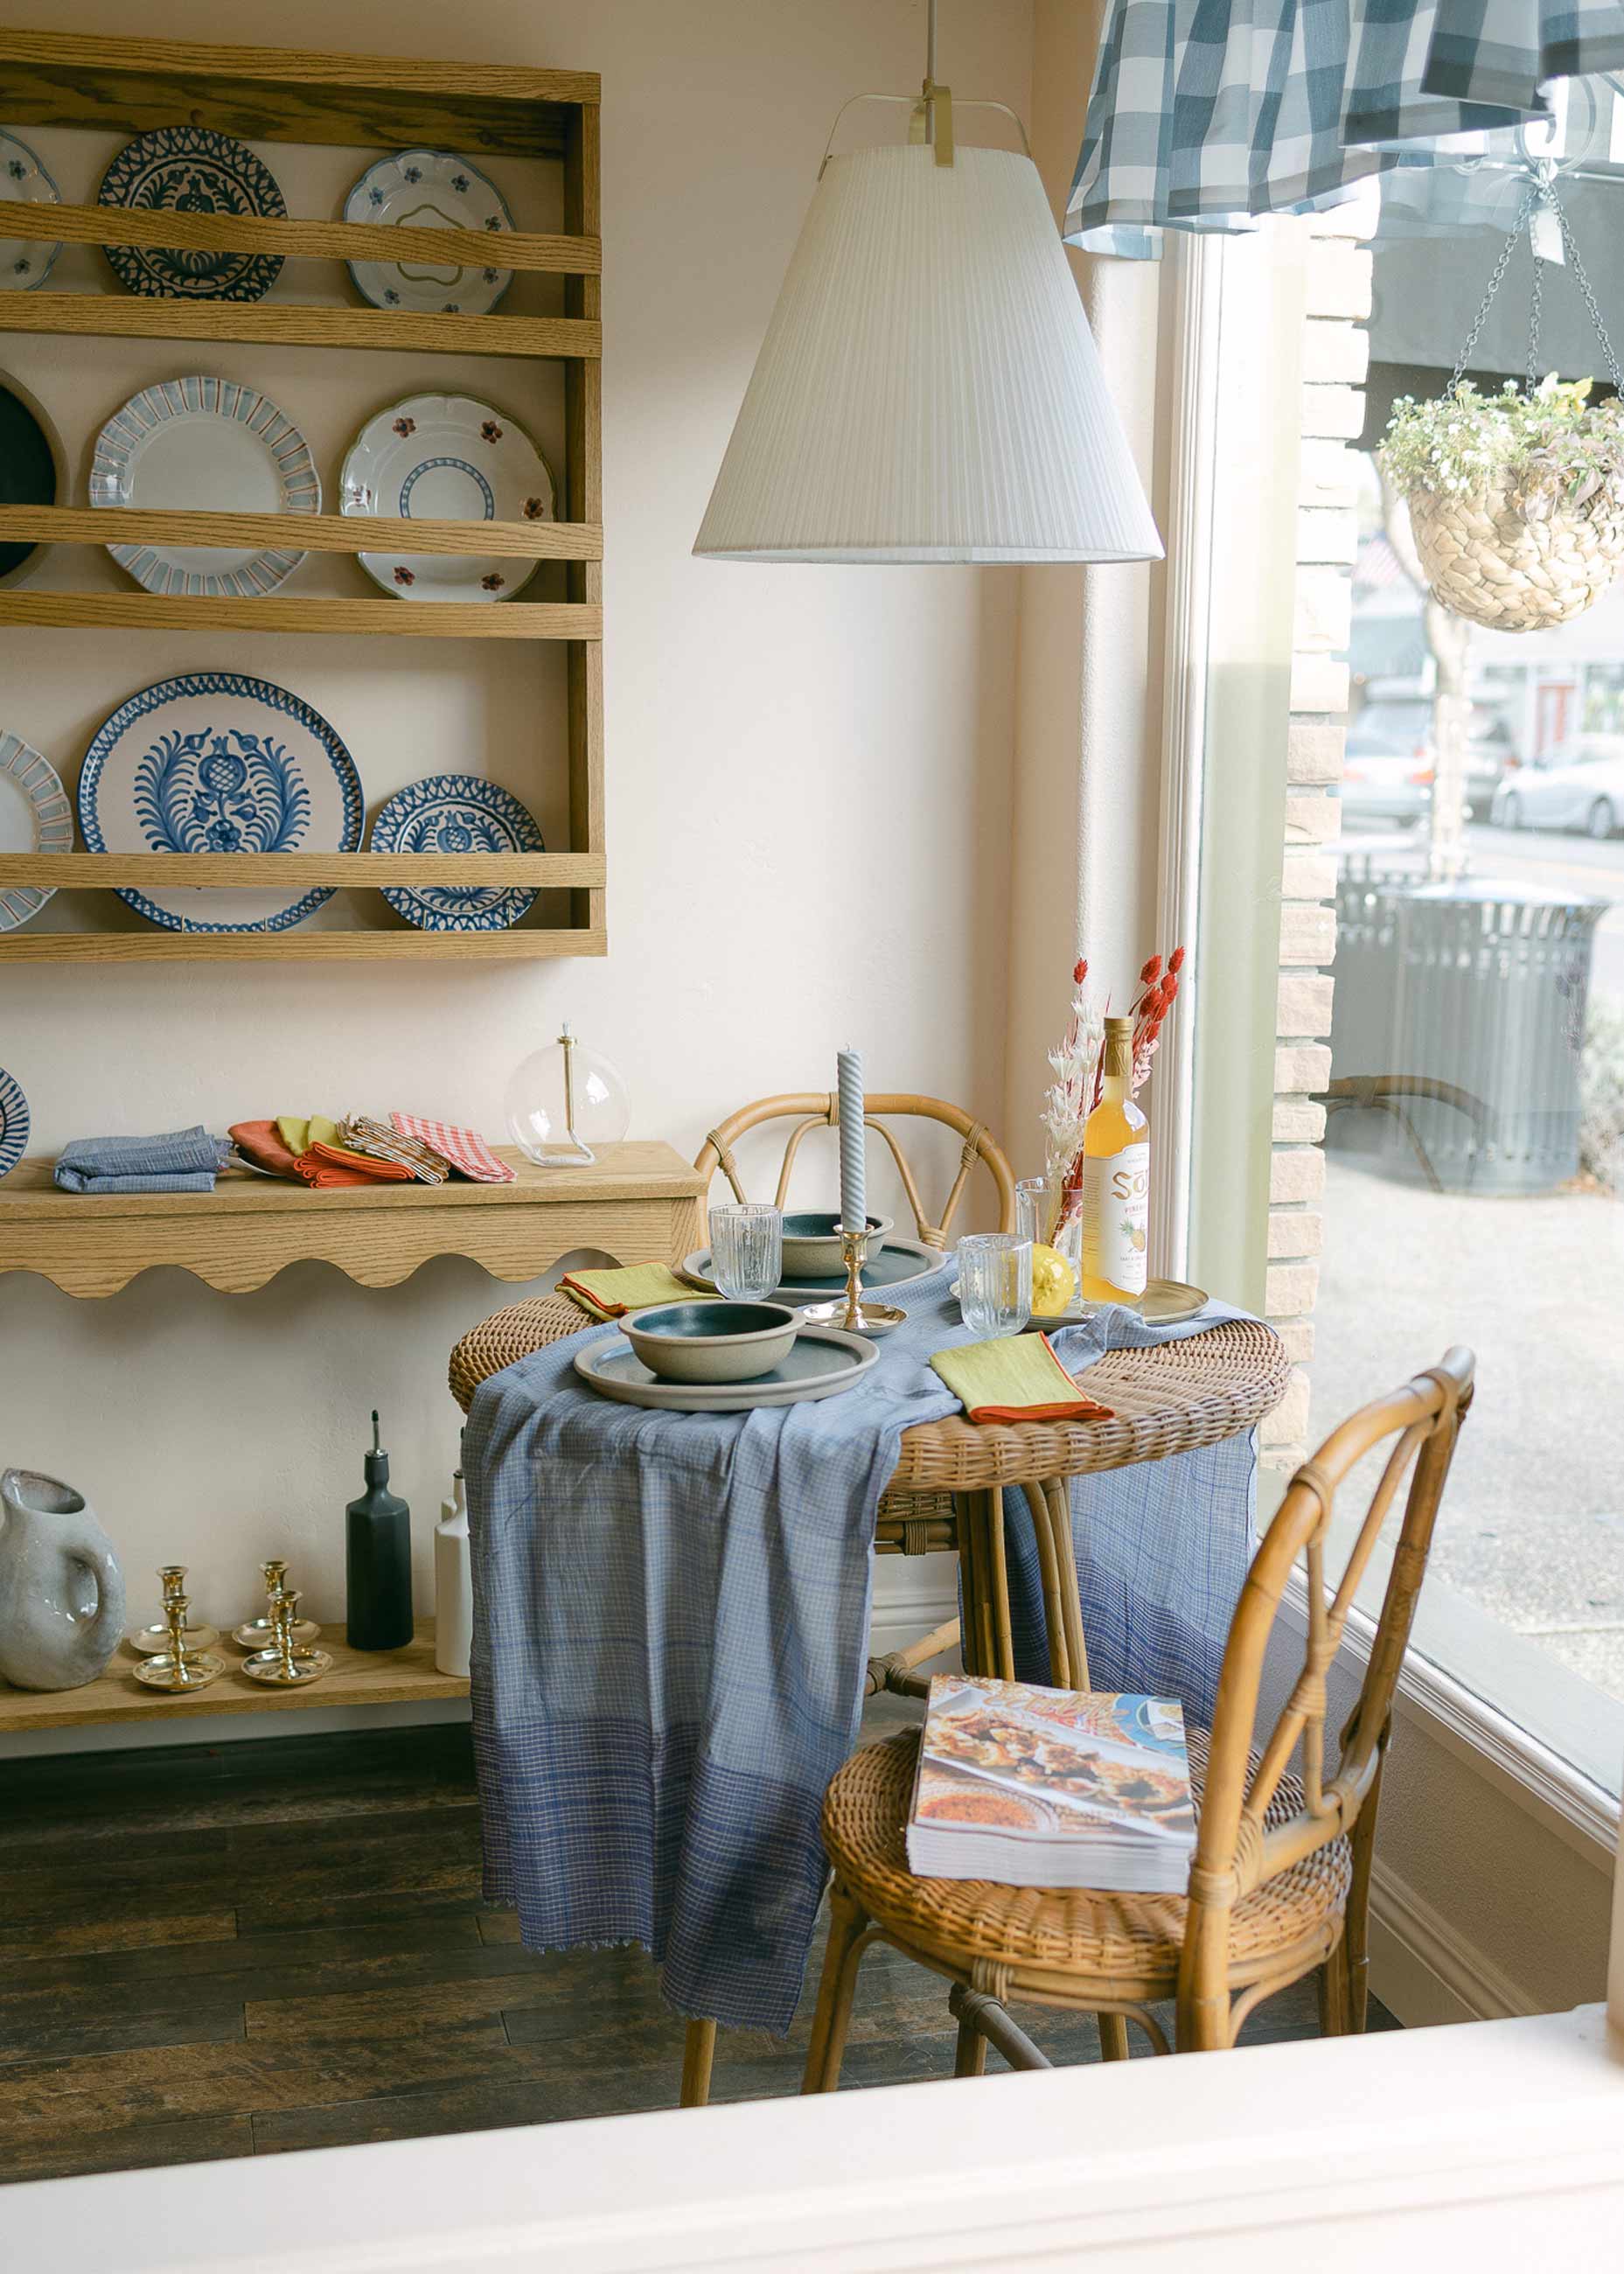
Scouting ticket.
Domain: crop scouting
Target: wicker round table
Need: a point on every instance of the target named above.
(946, 1492)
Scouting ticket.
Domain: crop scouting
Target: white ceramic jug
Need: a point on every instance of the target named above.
(62, 1593)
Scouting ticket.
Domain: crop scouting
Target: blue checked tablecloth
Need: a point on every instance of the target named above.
(670, 1621)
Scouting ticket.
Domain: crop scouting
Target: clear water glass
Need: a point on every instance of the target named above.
(994, 1283)
(746, 1249)
(1032, 1207)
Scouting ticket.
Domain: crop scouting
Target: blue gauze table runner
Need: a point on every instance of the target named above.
(671, 1616)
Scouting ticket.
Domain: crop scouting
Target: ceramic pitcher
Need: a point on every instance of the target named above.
(62, 1593)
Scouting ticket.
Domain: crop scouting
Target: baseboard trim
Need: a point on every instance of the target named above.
(1425, 1971)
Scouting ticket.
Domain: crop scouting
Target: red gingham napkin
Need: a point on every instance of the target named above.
(468, 1153)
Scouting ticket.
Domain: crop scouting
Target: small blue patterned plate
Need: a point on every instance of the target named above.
(192, 169)
(429, 189)
(13, 1122)
(25, 262)
(456, 813)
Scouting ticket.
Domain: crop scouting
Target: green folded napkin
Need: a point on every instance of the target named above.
(299, 1132)
(1016, 1378)
(610, 1294)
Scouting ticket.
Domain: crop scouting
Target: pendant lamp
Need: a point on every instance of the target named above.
(929, 388)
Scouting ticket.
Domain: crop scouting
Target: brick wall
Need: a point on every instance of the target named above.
(1335, 357)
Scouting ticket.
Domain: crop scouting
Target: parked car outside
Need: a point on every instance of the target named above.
(1388, 757)
(1582, 789)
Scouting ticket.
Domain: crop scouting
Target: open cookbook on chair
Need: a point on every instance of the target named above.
(1052, 1788)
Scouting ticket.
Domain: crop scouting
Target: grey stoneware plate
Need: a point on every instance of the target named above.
(898, 1261)
(824, 1361)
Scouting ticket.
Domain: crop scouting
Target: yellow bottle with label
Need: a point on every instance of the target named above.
(1116, 1181)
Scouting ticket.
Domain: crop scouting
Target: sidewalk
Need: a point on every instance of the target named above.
(1533, 1528)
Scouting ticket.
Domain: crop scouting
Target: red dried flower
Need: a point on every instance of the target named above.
(1080, 971)
(1176, 961)
(1151, 969)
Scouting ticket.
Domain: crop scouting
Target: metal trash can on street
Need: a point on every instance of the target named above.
(1459, 1010)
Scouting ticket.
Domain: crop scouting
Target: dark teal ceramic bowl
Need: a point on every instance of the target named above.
(712, 1342)
(812, 1244)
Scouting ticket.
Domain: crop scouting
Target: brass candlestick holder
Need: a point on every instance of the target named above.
(282, 1666)
(180, 1667)
(154, 1640)
(260, 1634)
(854, 1311)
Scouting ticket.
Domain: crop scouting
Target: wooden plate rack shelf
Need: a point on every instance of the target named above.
(268, 94)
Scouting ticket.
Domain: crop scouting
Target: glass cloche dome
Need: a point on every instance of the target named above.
(564, 1101)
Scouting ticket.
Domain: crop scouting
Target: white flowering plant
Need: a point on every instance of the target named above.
(1551, 449)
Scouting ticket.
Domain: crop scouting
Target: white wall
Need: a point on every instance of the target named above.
(753, 716)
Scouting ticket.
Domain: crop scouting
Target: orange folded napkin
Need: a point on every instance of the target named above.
(326, 1166)
(259, 1141)
(1016, 1378)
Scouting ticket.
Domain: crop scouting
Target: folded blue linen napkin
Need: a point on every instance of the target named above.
(182, 1161)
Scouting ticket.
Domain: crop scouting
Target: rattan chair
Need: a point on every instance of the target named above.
(814, 1108)
(1281, 1879)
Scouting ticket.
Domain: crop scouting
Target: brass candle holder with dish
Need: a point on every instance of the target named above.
(854, 1311)
(260, 1634)
(180, 1667)
(152, 1642)
(282, 1667)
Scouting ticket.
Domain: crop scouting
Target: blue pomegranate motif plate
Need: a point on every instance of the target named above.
(456, 813)
(13, 1122)
(191, 169)
(216, 762)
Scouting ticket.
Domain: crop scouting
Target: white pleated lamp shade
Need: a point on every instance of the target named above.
(929, 388)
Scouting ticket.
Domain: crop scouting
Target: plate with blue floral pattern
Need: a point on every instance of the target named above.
(192, 169)
(13, 1122)
(25, 261)
(216, 762)
(430, 189)
(456, 813)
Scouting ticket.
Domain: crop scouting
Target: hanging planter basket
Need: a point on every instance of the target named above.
(1487, 559)
(1517, 500)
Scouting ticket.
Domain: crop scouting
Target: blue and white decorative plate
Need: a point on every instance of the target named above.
(216, 763)
(446, 457)
(13, 1122)
(429, 189)
(191, 169)
(25, 262)
(35, 817)
(221, 448)
(456, 813)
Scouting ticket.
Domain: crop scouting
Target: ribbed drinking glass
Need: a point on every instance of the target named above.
(746, 1249)
(994, 1283)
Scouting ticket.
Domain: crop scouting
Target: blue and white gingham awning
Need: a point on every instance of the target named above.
(1210, 114)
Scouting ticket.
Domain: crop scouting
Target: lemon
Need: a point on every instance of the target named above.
(1053, 1282)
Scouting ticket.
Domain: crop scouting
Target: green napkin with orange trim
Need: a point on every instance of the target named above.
(1016, 1378)
(610, 1294)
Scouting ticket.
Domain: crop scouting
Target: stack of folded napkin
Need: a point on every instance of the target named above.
(1016, 1378)
(313, 1150)
(612, 1294)
(183, 1161)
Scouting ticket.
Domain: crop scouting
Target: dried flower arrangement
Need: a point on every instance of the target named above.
(1079, 1067)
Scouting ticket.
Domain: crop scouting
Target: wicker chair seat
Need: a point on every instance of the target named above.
(1086, 1932)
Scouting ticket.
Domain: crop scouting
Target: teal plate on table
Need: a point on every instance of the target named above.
(823, 1361)
(897, 1263)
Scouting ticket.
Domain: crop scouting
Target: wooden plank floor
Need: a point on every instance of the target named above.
(278, 1944)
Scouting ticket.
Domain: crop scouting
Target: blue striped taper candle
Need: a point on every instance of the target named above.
(853, 1196)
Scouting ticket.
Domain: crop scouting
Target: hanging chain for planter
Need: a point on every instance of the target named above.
(1502, 549)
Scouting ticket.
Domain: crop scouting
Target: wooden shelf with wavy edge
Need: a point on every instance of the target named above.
(556, 255)
(155, 871)
(516, 945)
(639, 1200)
(359, 1677)
(304, 533)
(512, 620)
(285, 323)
